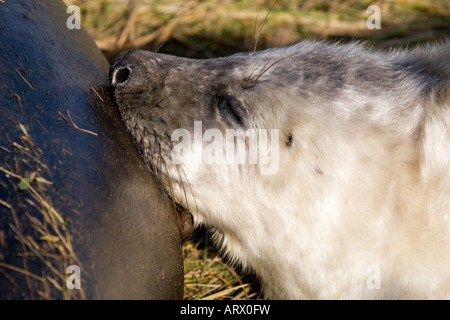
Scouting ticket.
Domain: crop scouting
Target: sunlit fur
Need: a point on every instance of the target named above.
(364, 183)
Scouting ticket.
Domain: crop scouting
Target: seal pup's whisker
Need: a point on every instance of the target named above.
(250, 83)
(262, 26)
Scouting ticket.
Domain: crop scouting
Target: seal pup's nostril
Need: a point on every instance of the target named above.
(120, 75)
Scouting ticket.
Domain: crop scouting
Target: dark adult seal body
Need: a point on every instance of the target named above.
(359, 203)
(73, 189)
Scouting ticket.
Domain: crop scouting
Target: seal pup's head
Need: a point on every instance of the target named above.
(225, 108)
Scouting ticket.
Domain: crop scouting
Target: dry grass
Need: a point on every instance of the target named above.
(208, 277)
(42, 232)
(216, 27)
(210, 28)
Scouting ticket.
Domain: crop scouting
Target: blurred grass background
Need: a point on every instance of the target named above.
(211, 28)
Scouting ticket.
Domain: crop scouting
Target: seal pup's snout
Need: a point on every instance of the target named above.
(120, 75)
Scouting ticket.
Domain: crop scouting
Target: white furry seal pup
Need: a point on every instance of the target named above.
(359, 206)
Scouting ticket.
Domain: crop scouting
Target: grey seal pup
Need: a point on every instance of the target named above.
(347, 193)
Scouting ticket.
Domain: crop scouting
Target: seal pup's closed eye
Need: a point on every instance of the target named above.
(324, 168)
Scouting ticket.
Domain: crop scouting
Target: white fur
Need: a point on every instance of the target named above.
(356, 193)
(360, 205)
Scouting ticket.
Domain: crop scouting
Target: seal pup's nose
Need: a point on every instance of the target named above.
(120, 75)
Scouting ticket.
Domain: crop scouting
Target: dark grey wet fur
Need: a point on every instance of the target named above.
(351, 119)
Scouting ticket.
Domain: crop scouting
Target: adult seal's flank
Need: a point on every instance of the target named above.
(359, 206)
(80, 215)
